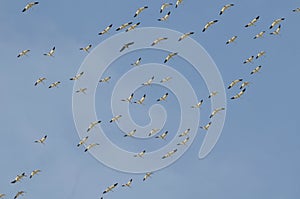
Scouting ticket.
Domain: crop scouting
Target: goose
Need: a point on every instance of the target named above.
(42, 140)
(90, 146)
(76, 77)
(124, 26)
(140, 154)
(2, 195)
(206, 127)
(87, 48)
(275, 22)
(128, 184)
(130, 134)
(225, 8)
(140, 10)
(169, 56)
(50, 53)
(169, 154)
(244, 84)
(156, 41)
(198, 104)
(24, 52)
(39, 80)
(184, 141)
(296, 10)
(82, 141)
(166, 79)
(162, 136)
(239, 94)
(105, 30)
(92, 125)
(82, 90)
(153, 131)
(255, 70)
(115, 119)
(165, 18)
(18, 178)
(110, 188)
(20, 193)
(29, 5)
(252, 22)
(260, 54)
(54, 84)
(126, 46)
(137, 62)
(277, 31)
(165, 5)
(105, 79)
(129, 99)
(149, 82)
(234, 82)
(217, 110)
(141, 101)
(209, 24)
(34, 172)
(185, 35)
(249, 60)
(212, 94)
(259, 35)
(132, 27)
(178, 2)
(232, 39)
(184, 133)
(163, 98)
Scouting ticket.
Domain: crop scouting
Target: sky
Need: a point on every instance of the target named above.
(257, 154)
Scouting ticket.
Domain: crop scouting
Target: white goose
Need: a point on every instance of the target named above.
(249, 60)
(163, 98)
(165, 18)
(166, 79)
(255, 70)
(234, 82)
(126, 46)
(260, 54)
(20, 193)
(128, 99)
(110, 188)
(115, 119)
(141, 101)
(252, 22)
(149, 82)
(156, 41)
(275, 22)
(147, 175)
(224, 8)
(169, 56)
(39, 80)
(140, 10)
(296, 10)
(2, 195)
(277, 31)
(105, 79)
(185, 35)
(76, 77)
(34, 172)
(178, 2)
(50, 53)
(184, 141)
(169, 154)
(217, 110)
(124, 26)
(90, 146)
(82, 90)
(162, 136)
(165, 5)
(185, 133)
(232, 39)
(128, 184)
(130, 134)
(29, 5)
(24, 52)
(208, 24)
(82, 141)
(87, 48)
(137, 62)
(259, 35)
(198, 105)
(239, 94)
(140, 154)
(42, 140)
(92, 125)
(54, 84)
(206, 127)
(244, 84)
(18, 178)
(133, 27)
(105, 30)
(212, 94)
(153, 131)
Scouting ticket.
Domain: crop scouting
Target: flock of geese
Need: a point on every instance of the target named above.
(129, 26)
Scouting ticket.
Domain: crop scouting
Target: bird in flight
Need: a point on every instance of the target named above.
(87, 48)
(255, 70)
(153, 131)
(212, 94)
(275, 22)
(163, 98)
(29, 5)
(141, 101)
(232, 39)
(259, 35)
(126, 46)
(105, 30)
(249, 60)
(110, 188)
(132, 27)
(277, 31)
(177, 3)
(128, 99)
(206, 127)
(165, 5)
(165, 18)
(105, 79)
(115, 119)
(42, 140)
(140, 10)
(24, 52)
(90, 146)
(54, 84)
(296, 10)
(162, 136)
(147, 175)
(244, 84)
(169, 56)
(185, 35)
(76, 77)
(124, 26)
(130, 134)
(34, 172)
(50, 53)
(2, 195)
(198, 105)
(82, 141)
(184, 141)
(140, 154)
(18, 178)
(224, 8)
(39, 80)
(217, 110)
(20, 193)
(239, 94)
(149, 82)
(137, 62)
(128, 184)
(156, 41)
(184, 133)
(166, 79)
(82, 90)
(260, 54)
(209, 24)
(92, 125)
(252, 22)
(234, 82)
(169, 154)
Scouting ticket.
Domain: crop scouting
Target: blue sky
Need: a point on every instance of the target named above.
(257, 154)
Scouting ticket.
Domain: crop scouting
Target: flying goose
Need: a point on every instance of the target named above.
(277, 31)
(178, 2)
(54, 84)
(130, 134)
(50, 53)
(141, 101)
(124, 26)
(115, 119)
(39, 80)
(128, 184)
(2, 195)
(129, 99)
(209, 24)
(126, 46)
(162, 136)
(105, 79)
(149, 82)
(76, 77)
(170, 56)
(198, 104)
(34, 172)
(29, 5)
(166, 79)
(206, 127)
(156, 41)
(234, 82)
(137, 62)
(140, 10)
(169, 154)
(165, 5)
(140, 154)
(212, 94)
(184, 141)
(20, 193)
(90, 146)
(110, 188)
(92, 125)
(82, 90)
(105, 30)
(256, 70)
(217, 110)
(82, 141)
(185, 35)
(296, 10)
(239, 94)
(42, 140)
(132, 27)
(153, 131)
(249, 60)
(18, 178)
(244, 84)
(260, 54)
(184, 133)
(165, 18)
(275, 22)
(163, 98)
(87, 48)
(24, 52)
(252, 22)
(259, 35)
(225, 8)
(232, 39)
